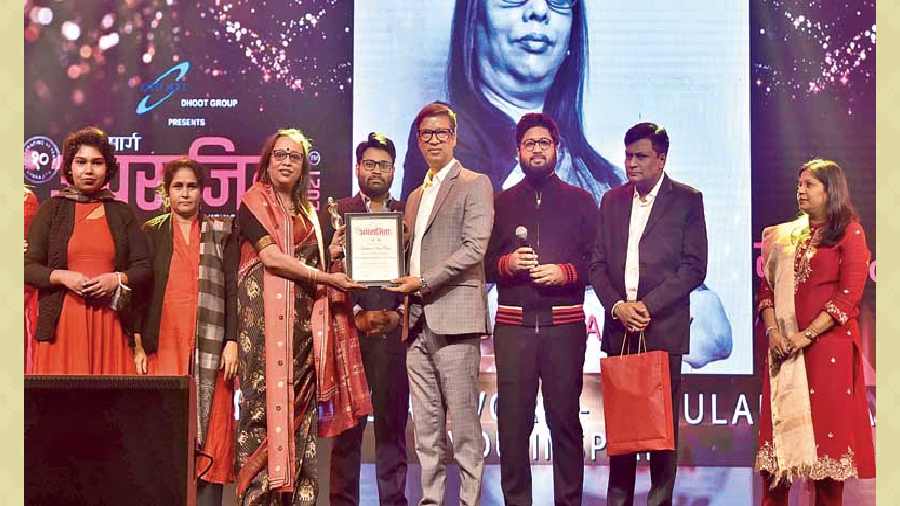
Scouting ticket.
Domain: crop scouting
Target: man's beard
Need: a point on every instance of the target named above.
(541, 172)
(377, 191)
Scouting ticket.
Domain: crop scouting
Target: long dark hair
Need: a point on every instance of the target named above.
(298, 196)
(839, 209)
(564, 101)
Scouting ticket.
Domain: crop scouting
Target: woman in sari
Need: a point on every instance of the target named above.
(85, 249)
(815, 271)
(295, 382)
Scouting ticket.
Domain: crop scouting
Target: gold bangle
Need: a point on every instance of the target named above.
(770, 329)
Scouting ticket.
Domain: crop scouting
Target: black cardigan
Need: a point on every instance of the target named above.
(48, 246)
(149, 300)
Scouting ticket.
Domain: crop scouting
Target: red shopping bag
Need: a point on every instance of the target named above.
(637, 401)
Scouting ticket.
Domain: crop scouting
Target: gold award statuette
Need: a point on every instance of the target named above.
(337, 222)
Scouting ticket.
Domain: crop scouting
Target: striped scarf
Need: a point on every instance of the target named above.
(214, 232)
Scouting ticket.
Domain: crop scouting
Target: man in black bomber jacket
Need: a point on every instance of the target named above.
(539, 333)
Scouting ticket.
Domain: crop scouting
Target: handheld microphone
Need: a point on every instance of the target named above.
(522, 236)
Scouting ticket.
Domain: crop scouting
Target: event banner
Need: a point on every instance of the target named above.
(209, 80)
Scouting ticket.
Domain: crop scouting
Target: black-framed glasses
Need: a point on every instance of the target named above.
(281, 154)
(383, 165)
(557, 5)
(543, 144)
(442, 134)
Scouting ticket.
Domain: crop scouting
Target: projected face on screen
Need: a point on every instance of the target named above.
(520, 46)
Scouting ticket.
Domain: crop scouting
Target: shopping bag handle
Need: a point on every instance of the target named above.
(641, 341)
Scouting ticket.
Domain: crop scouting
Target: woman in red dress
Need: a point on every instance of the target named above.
(194, 259)
(84, 250)
(815, 271)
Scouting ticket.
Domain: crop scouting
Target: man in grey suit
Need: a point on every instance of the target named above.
(449, 218)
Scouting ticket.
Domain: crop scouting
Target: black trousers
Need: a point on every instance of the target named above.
(663, 464)
(386, 375)
(554, 357)
(208, 494)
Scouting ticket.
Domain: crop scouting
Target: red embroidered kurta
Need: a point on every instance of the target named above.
(830, 279)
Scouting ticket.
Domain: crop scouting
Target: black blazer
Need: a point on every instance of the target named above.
(48, 246)
(149, 300)
(673, 257)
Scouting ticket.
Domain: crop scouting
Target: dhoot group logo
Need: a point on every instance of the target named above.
(42, 159)
(163, 87)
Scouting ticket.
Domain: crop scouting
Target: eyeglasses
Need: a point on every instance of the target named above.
(442, 135)
(383, 166)
(557, 5)
(543, 144)
(280, 154)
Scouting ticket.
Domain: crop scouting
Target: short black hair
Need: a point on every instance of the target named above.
(89, 136)
(378, 141)
(657, 135)
(174, 166)
(536, 119)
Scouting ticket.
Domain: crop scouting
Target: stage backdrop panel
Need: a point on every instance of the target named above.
(647, 62)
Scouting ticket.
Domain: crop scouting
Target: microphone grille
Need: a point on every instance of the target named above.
(521, 233)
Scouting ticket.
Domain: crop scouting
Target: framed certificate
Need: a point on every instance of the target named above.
(374, 247)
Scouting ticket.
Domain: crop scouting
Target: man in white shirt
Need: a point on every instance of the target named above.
(450, 217)
(650, 253)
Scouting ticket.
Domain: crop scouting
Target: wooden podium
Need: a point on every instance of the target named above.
(110, 440)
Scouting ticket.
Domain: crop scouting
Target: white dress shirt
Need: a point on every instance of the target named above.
(426, 204)
(640, 213)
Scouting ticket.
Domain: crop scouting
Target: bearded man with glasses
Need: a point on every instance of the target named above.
(539, 331)
(377, 315)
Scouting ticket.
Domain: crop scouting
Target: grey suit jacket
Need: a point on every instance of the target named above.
(453, 248)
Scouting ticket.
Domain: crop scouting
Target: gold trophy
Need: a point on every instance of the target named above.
(337, 221)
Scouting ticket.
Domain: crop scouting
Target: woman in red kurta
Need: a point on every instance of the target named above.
(814, 421)
(178, 336)
(178, 322)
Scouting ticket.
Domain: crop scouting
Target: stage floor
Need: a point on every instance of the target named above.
(695, 486)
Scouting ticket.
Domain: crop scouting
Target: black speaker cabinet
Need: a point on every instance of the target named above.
(109, 440)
